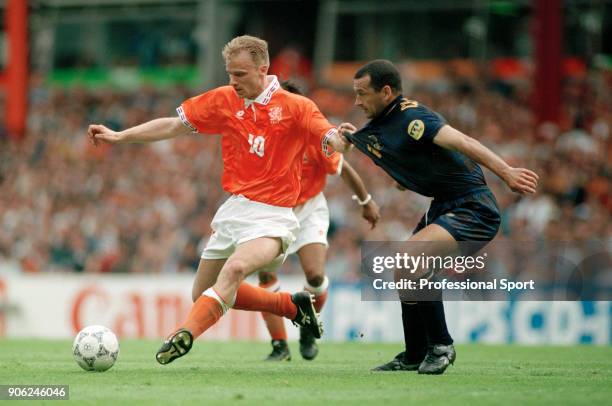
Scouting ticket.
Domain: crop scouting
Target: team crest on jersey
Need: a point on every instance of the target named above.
(416, 128)
(276, 114)
(374, 147)
(240, 114)
(374, 142)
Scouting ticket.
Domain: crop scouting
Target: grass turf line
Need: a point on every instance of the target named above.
(231, 373)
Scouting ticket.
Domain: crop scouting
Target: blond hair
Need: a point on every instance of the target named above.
(257, 47)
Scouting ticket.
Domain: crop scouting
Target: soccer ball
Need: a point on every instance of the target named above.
(95, 348)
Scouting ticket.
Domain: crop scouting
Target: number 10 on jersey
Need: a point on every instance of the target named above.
(257, 145)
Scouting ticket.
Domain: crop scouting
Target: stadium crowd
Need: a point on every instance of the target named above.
(65, 207)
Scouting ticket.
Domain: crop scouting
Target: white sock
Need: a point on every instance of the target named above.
(210, 292)
(319, 289)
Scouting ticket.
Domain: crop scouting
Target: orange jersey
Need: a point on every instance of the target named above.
(317, 165)
(263, 140)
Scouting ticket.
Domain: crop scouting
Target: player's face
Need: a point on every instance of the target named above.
(368, 99)
(245, 76)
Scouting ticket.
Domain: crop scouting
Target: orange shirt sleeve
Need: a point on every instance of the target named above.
(316, 125)
(204, 113)
(332, 164)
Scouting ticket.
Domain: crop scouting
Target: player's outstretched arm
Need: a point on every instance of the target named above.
(154, 130)
(369, 208)
(519, 180)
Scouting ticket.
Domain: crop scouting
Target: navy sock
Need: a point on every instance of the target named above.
(432, 314)
(415, 333)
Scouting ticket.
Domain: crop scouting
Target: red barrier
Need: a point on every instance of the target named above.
(16, 74)
(548, 40)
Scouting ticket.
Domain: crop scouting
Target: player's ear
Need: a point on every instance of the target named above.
(387, 93)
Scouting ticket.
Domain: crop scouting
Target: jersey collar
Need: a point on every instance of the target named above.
(265, 96)
(387, 110)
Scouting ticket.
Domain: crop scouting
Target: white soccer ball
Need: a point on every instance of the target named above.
(95, 348)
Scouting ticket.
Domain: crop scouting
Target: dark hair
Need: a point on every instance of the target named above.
(291, 87)
(382, 73)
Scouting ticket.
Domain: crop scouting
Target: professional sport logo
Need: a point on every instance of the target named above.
(276, 114)
(240, 115)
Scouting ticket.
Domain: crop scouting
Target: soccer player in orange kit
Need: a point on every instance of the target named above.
(264, 133)
(311, 243)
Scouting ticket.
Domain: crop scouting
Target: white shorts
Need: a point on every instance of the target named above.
(239, 220)
(313, 216)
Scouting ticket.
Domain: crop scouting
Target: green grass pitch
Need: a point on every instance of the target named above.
(233, 373)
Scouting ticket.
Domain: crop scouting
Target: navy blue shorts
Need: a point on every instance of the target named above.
(472, 217)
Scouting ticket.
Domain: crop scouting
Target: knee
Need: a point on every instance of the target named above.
(314, 276)
(235, 270)
(266, 278)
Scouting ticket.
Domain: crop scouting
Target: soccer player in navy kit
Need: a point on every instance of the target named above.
(416, 147)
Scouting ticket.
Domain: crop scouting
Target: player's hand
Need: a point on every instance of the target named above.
(521, 180)
(346, 129)
(371, 213)
(339, 142)
(99, 132)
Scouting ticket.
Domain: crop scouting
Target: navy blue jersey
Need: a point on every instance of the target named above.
(400, 141)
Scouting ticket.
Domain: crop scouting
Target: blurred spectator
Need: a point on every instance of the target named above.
(63, 209)
(291, 64)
